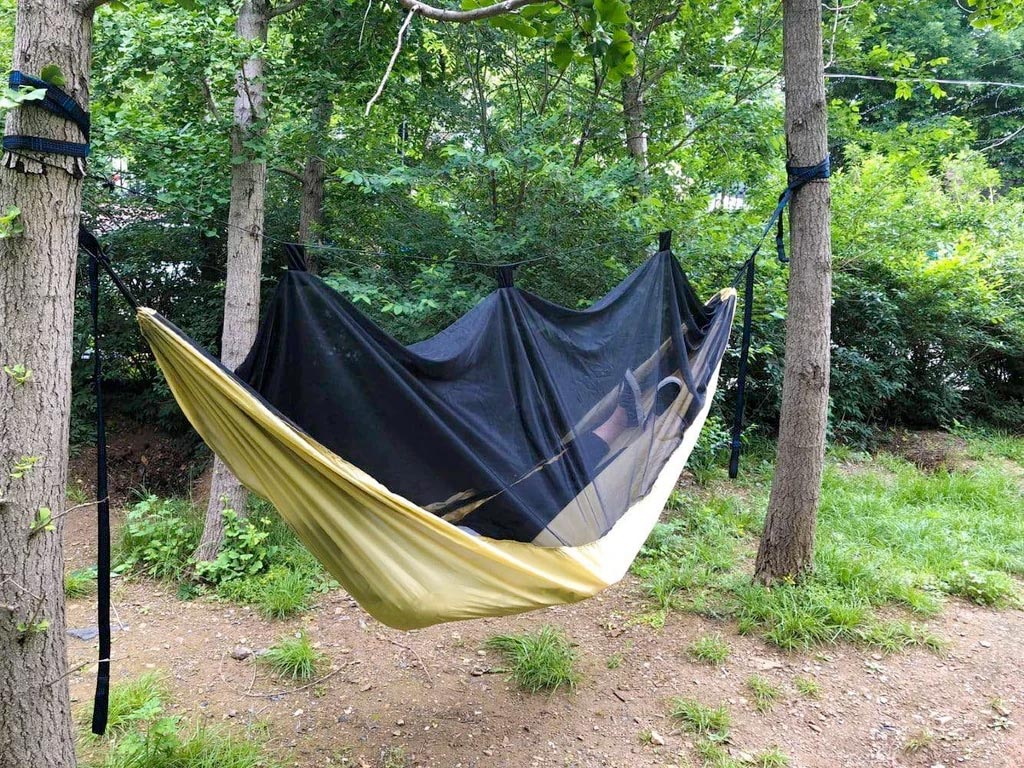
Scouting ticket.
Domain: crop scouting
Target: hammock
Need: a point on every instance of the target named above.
(519, 459)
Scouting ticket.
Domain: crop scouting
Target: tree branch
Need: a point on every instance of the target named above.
(278, 10)
(391, 63)
(487, 12)
(288, 172)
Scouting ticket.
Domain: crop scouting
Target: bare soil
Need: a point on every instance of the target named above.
(443, 700)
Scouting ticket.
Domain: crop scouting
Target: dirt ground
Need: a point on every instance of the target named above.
(443, 700)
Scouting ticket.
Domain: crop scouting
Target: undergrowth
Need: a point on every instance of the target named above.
(541, 660)
(140, 734)
(888, 535)
(260, 563)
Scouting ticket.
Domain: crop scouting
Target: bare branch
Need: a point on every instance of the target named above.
(288, 172)
(278, 10)
(391, 64)
(487, 12)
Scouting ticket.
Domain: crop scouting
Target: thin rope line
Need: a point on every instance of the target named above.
(877, 78)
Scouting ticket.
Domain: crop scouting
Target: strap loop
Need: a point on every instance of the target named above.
(56, 102)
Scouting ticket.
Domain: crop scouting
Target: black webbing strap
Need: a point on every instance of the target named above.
(56, 102)
(102, 696)
(798, 177)
(98, 258)
(741, 378)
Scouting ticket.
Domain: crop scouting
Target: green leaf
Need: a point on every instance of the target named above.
(562, 53)
(51, 73)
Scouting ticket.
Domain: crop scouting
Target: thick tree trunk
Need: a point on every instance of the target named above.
(787, 545)
(37, 283)
(311, 209)
(245, 253)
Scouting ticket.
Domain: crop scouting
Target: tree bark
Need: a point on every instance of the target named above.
(787, 544)
(636, 133)
(37, 283)
(311, 208)
(245, 252)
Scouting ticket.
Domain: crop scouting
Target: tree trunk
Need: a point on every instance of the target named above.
(311, 210)
(636, 134)
(245, 253)
(787, 544)
(37, 283)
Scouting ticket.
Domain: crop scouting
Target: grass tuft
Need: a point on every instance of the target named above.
(711, 722)
(808, 687)
(709, 649)
(80, 582)
(542, 660)
(771, 758)
(764, 691)
(294, 657)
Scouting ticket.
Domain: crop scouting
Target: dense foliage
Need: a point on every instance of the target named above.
(517, 139)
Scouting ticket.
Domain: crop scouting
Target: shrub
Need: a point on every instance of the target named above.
(158, 537)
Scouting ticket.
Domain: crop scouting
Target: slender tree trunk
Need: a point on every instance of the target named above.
(37, 283)
(787, 545)
(311, 210)
(245, 253)
(636, 133)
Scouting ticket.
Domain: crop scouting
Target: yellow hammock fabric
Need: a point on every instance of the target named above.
(405, 566)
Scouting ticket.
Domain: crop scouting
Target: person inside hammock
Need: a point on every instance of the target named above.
(544, 487)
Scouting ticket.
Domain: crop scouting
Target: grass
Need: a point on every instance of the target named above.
(132, 702)
(889, 535)
(765, 693)
(541, 660)
(808, 686)
(80, 582)
(771, 758)
(709, 649)
(918, 741)
(294, 656)
(284, 594)
(710, 722)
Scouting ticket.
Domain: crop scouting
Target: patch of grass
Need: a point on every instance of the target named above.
(808, 687)
(163, 744)
(132, 702)
(614, 661)
(888, 535)
(285, 594)
(293, 656)
(711, 722)
(541, 660)
(771, 758)
(918, 741)
(709, 649)
(394, 757)
(80, 582)
(714, 755)
(764, 691)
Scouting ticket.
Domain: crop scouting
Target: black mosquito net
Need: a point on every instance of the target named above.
(522, 420)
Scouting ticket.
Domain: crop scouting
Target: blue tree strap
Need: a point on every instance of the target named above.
(49, 146)
(798, 177)
(56, 102)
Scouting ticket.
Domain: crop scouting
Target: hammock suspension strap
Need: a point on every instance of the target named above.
(56, 102)
(798, 177)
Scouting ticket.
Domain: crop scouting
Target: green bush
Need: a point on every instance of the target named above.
(245, 552)
(158, 538)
